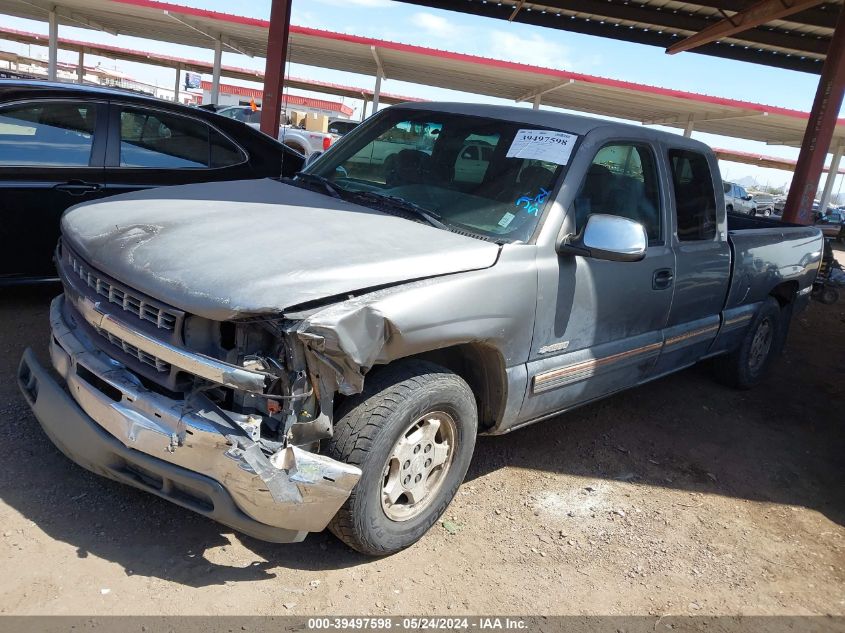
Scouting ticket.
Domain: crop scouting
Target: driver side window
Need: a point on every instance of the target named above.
(622, 180)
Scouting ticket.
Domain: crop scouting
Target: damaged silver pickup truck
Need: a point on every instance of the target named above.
(289, 355)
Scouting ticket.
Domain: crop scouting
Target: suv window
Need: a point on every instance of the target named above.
(57, 134)
(728, 188)
(164, 141)
(470, 153)
(238, 114)
(342, 127)
(622, 180)
(695, 201)
(252, 116)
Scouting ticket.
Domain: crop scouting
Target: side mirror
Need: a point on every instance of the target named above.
(609, 237)
(312, 158)
(749, 197)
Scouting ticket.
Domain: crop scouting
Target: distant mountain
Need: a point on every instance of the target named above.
(748, 182)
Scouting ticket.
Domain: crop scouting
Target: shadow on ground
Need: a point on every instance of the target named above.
(781, 443)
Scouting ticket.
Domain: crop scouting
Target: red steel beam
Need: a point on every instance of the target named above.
(274, 69)
(755, 15)
(819, 131)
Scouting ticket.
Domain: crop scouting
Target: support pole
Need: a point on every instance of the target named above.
(376, 92)
(364, 108)
(215, 72)
(689, 127)
(819, 131)
(80, 67)
(53, 47)
(177, 86)
(274, 69)
(831, 178)
(537, 100)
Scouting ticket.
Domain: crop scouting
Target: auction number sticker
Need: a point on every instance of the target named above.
(545, 145)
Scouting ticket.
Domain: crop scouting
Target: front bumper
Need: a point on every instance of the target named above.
(105, 420)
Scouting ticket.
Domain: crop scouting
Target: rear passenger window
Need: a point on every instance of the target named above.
(57, 134)
(622, 180)
(164, 141)
(695, 200)
(223, 152)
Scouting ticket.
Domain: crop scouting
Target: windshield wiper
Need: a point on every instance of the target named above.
(322, 181)
(400, 204)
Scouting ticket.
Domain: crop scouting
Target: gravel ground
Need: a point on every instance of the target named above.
(680, 497)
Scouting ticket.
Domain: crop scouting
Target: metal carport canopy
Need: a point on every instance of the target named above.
(792, 34)
(798, 41)
(421, 65)
(760, 160)
(194, 65)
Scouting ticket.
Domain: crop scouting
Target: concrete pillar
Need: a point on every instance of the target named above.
(831, 178)
(820, 127)
(53, 46)
(376, 92)
(177, 86)
(689, 127)
(215, 73)
(364, 108)
(80, 67)
(537, 100)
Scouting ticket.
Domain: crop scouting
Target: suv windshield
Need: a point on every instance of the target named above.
(489, 177)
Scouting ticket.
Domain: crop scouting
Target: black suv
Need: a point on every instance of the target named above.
(61, 144)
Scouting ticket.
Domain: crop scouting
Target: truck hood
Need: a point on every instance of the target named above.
(230, 249)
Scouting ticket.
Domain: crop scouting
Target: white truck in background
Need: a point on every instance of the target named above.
(305, 142)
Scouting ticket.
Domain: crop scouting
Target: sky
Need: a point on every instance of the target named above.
(410, 24)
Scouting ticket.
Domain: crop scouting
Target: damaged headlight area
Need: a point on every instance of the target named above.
(245, 417)
(293, 407)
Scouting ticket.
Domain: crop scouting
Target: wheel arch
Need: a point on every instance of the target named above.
(785, 292)
(296, 146)
(481, 365)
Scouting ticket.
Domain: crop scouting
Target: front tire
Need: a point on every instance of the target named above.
(412, 432)
(745, 367)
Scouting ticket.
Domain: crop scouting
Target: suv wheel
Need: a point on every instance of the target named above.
(412, 432)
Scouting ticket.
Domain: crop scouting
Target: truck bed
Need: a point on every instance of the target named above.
(742, 222)
(767, 253)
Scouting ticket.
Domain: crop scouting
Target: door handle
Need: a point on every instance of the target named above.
(77, 187)
(662, 279)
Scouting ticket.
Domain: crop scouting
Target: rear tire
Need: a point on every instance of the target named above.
(828, 295)
(746, 366)
(412, 433)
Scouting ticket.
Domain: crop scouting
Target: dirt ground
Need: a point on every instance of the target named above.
(681, 497)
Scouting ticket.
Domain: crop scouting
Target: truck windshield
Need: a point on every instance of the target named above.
(490, 177)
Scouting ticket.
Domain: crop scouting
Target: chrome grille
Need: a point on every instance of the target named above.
(144, 357)
(126, 299)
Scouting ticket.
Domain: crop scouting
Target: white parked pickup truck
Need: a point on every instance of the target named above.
(303, 141)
